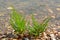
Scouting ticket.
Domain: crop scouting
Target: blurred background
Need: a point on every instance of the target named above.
(40, 8)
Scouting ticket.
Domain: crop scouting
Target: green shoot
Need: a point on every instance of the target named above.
(38, 28)
(17, 21)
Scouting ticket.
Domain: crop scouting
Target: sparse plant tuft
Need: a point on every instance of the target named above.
(17, 21)
(37, 27)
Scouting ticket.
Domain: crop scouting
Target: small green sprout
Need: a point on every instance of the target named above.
(38, 28)
(17, 21)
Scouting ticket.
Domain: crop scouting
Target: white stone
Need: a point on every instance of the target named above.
(52, 36)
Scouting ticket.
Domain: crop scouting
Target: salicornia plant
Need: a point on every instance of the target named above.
(17, 21)
(37, 27)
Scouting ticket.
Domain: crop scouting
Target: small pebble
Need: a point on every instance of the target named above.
(4, 39)
(14, 39)
(52, 36)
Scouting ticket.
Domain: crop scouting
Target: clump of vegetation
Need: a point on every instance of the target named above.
(18, 23)
(38, 28)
